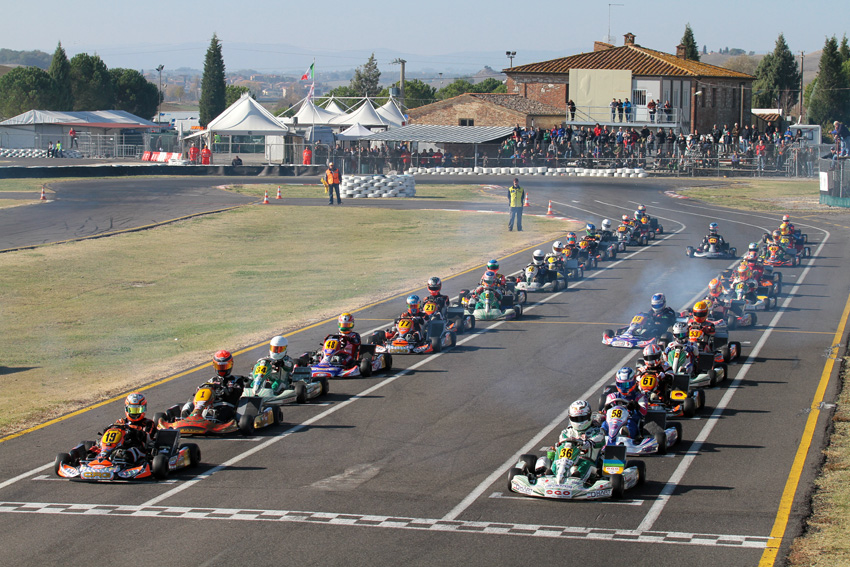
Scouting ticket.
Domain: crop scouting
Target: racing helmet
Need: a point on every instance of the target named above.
(638, 214)
(413, 304)
(626, 383)
(571, 241)
(582, 244)
(642, 209)
(743, 272)
(714, 288)
(277, 347)
(786, 218)
(590, 229)
(434, 285)
(606, 224)
(537, 257)
(493, 265)
(751, 257)
(712, 229)
(346, 323)
(652, 355)
(658, 302)
(784, 229)
(135, 406)
(625, 218)
(753, 247)
(558, 247)
(680, 330)
(700, 311)
(777, 234)
(580, 413)
(223, 363)
(571, 235)
(489, 279)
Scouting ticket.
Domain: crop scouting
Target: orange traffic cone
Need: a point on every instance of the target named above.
(43, 196)
(549, 210)
(278, 193)
(526, 201)
(266, 198)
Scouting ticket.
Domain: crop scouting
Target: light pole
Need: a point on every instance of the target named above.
(159, 102)
(510, 55)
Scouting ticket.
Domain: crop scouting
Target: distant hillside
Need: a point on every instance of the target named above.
(28, 58)
(810, 63)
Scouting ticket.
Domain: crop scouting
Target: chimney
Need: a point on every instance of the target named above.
(680, 51)
(629, 39)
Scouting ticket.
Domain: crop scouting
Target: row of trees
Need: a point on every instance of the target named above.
(83, 83)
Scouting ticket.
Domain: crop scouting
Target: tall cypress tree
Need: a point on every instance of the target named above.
(691, 49)
(213, 88)
(829, 99)
(844, 50)
(60, 70)
(777, 83)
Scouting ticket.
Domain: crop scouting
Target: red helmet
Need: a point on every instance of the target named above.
(346, 323)
(700, 311)
(223, 362)
(135, 406)
(652, 356)
(714, 288)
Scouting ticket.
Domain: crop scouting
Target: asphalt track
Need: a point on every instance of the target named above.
(410, 468)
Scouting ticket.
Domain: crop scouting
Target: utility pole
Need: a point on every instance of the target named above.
(802, 81)
(159, 101)
(401, 84)
(609, 20)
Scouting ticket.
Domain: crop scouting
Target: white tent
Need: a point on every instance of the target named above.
(355, 132)
(391, 113)
(310, 114)
(332, 106)
(365, 115)
(246, 117)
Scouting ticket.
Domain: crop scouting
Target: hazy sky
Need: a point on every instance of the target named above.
(177, 33)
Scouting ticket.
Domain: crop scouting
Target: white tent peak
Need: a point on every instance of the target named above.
(332, 106)
(354, 133)
(246, 117)
(365, 115)
(391, 113)
(309, 113)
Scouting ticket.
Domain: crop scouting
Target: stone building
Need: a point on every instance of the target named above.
(478, 109)
(698, 94)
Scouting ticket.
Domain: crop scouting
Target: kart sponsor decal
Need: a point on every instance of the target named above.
(112, 437)
(96, 475)
(563, 493)
(393, 522)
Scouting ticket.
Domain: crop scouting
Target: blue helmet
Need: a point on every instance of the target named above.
(658, 302)
(413, 303)
(626, 383)
(590, 228)
(712, 228)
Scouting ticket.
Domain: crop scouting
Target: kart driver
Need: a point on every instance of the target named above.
(654, 362)
(277, 352)
(628, 221)
(661, 316)
(637, 404)
(138, 430)
(571, 247)
(414, 313)
(589, 438)
(786, 219)
(606, 229)
(554, 260)
(349, 340)
(488, 282)
(228, 390)
(680, 339)
(435, 285)
(699, 321)
(493, 266)
(712, 233)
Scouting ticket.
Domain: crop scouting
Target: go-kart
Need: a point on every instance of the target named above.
(402, 339)
(769, 281)
(628, 236)
(558, 474)
(457, 320)
(713, 249)
(638, 334)
(110, 458)
(653, 224)
(204, 416)
(778, 256)
(537, 279)
(274, 386)
(702, 371)
(724, 350)
(643, 228)
(330, 361)
(675, 397)
(599, 248)
(655, 437)
(794, 243)
(488, 307)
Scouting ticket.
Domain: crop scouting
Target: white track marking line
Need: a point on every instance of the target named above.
(679, 473)
(27, 474)
(503, 496)
(705, 216)
(387, 522)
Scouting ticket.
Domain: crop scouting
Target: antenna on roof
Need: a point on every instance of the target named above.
(609, 39)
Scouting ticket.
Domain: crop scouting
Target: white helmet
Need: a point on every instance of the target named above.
(558, 247)
(277, 347)
(537, 257)
(580, 415)
(606, 224)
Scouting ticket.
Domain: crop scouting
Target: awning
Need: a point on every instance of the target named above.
(443, 134)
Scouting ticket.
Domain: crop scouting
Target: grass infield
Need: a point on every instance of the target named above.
(764, 194)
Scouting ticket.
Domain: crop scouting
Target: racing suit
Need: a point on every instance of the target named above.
(138, 435)
(689, 349)
(707, 332)
(496, 290)
(664, 378)
(590, 441)
(571, 252)
(419, 319)
(558, 264)
(721, 243)
(349, 347)
(663, 319)
(638, 405)
(227, 393)
(442, 302)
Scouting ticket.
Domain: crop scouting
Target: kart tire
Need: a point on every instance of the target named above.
(712, 378)
(724, 350)
(194, 453)
(652, 235)
(469, 322)
(556, 286)
(644, 241)
(303, 360)
(661, 439)
(377, 338)
(436, 345)
(613, 255)
(678, 427)
(689, 251)
(733, 252)
(326, 386)
(609, 333)
(278, 415)
(777, 277)
(807, 252)
(159, 466)
(621, 247)
(700, 399)
(521, 297)
(61, 459)
(388, 358)
(300, 392)
(453, 338)
(660, 229)
(366, 365)
(246, 424)
(805, 238)
(731, 321)
(528, 462)
(737, 350)
(515, 471)
(618, 487)
(641, 467)
(689, 407)
(755, 319)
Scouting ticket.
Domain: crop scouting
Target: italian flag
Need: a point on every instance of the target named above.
(309, 74)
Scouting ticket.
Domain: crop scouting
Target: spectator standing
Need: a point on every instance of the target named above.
(627, 108)
(842, 137)
(50, 149)
(73, 135)
(761, 150)
(333, 178)
(516, 195)
(613, 107)
(620, 109)
(572, 106)
(57, 149)
(668, 110)
(650, 107)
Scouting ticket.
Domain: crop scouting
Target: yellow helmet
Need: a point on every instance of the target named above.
(784, 229)
(701, 310)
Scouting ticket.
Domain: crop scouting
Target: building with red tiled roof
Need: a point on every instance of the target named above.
(487, 109)
(697, 93)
